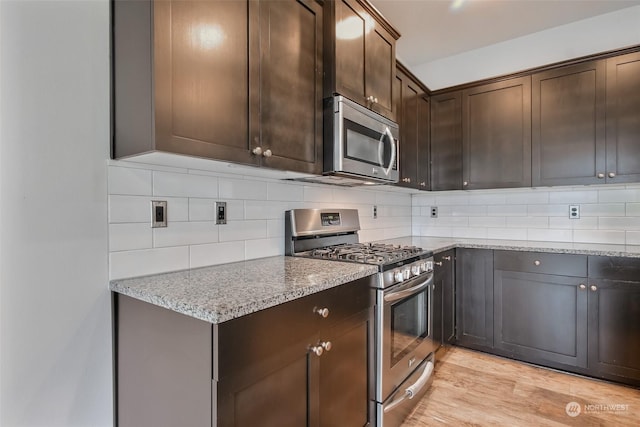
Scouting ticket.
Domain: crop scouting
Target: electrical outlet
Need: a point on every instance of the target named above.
(434, 212)
(221, 212)
(158, 213)
(574, 211)
(375, 212)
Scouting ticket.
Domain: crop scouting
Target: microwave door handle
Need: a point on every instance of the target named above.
(387, 133)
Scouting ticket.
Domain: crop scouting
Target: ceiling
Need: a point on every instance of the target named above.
(434, 29)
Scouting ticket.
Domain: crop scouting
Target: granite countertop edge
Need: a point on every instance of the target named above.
(206, 293)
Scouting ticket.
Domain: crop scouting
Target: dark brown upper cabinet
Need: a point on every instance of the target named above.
(238, 81)
(446, 141)
(496, 135)
(360, 55)
(568, 125)
(412, 114)
(623, 118)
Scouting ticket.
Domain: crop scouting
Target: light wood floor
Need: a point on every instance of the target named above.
(476, 389)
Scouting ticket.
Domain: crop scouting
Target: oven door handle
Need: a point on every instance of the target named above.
(413, 389)
(398, 295)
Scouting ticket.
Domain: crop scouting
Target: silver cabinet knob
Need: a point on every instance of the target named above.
(536, 262)
(582, 286)
(257, 151)
(326, 345)
(375, 100)
(612, 175)
(423, 184)
(322, 312)
(446, 258)
(267, 153)
(465, 183)
(600, 175)
(438, 263)
(593, 288)
(317, 350)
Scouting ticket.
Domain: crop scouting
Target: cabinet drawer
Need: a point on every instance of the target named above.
(614, 268)
(538, 262)
(259, 336)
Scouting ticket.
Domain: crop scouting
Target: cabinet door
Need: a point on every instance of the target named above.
(275, 391)
(496, 135)
(444, 298)
(623, 118)
(350, 30)
(541, 318)
(446, 141)
(614, 330)
(424, 157)
(201, 63)
(380, 68)
(408, 101)
(474, 298)
(345, 373)
(568, 117)
(290, 116)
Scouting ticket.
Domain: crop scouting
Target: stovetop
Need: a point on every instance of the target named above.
(366, 253)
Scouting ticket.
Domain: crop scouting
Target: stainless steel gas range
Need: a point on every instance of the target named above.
(403, 346)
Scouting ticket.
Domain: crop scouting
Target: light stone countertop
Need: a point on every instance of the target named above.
(437, 244)
(224, 292)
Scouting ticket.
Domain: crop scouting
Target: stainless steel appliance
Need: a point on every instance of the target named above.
(403, 345)
(360, 145)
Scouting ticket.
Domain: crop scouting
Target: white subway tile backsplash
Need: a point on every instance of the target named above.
(148, 261)
(262, 209)
(573, 197)
(528, 197)
(548, 210)
(583, 223)
(243, 230)
(343, 195)
(216, 253)
(599, 236)
(314, 193)
(487, 221)
(550, 235)
(507, 210)
(129, 209)
(184, 185)
(607, 195)
(284, 192)
(487, 199)
(242, 189)
(528, 222)
(393, 199)
(275, 228)
(462, 210)
(424, 200)
(603, 209)
(507, 233)
(632, 209)
(457, 199)
(263, 248)
(632, 238)
(619, 223)
(130, 236)
(470, 233)
(185, 233)
(130, 181)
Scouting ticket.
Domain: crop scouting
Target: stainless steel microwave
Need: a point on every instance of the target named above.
(359, 144)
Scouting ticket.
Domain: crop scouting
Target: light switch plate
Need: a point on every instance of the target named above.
(221, 212)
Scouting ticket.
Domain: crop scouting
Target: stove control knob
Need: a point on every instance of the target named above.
(415, 269)
(406, 273)
(398, 276)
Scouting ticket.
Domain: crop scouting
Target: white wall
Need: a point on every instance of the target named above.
(602, 33)
(608, 214)
(255, 226)
(55, 330)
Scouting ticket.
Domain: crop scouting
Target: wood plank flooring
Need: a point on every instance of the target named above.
(476, 389)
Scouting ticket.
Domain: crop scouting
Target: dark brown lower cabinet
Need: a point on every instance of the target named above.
(474, 298)
(614, 318)
(444, 298)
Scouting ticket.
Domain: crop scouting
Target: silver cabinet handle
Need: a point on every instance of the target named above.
(612, 175)
(593, 288)
(257, 151)
(267, 153)
(600, 175)
(536, 262)
(326, 345)
(465, 183)
(322, 312)
(582, 286)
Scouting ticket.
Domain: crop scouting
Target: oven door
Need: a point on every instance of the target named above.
(407, 329)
